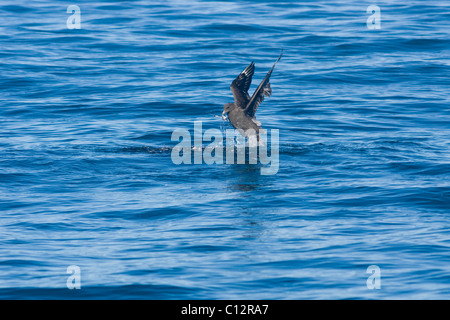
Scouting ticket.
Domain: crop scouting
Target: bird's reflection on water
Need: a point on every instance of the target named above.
(248, 183)
(247, 178)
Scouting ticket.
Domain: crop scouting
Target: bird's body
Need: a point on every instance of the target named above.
(240, 120)
(241, 113)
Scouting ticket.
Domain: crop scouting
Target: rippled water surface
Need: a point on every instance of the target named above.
(86, 176)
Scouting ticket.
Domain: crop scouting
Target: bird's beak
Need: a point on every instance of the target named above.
(224, 115)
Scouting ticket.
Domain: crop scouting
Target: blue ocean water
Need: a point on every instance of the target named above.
(86, 176)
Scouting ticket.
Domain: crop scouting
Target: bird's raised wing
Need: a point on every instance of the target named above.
(239, 87)
(262, 90)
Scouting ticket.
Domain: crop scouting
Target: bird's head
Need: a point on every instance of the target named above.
(226, 109)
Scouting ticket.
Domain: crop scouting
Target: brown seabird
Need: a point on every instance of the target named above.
(241, 113)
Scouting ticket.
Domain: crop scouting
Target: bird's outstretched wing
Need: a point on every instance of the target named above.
(239, 87)
(262, 90)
